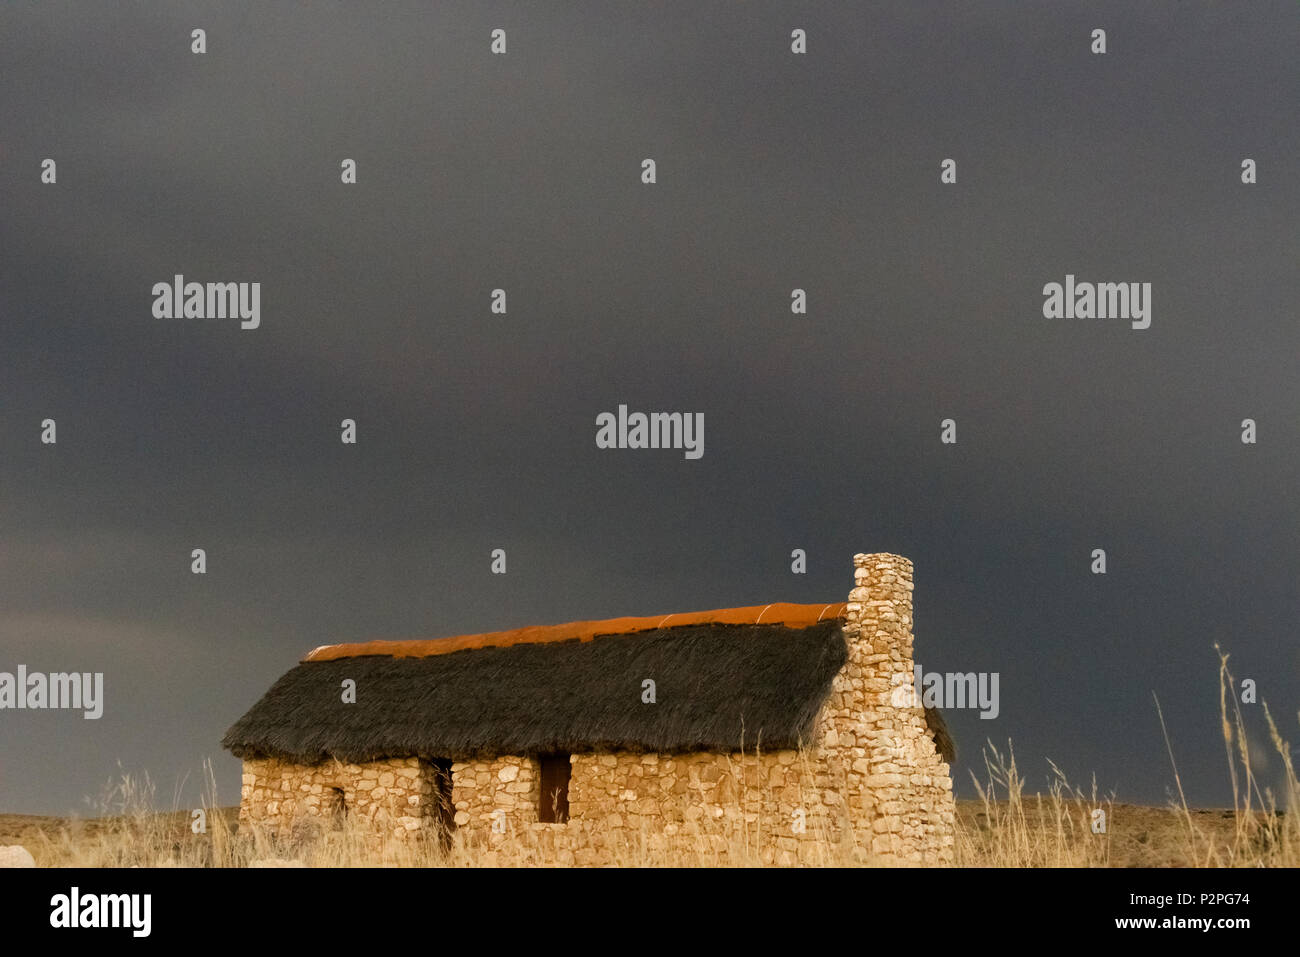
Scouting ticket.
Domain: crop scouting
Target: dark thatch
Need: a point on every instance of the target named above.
(942, 739)
(717, 688)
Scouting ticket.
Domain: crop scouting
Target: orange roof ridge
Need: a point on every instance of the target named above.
(778, 613)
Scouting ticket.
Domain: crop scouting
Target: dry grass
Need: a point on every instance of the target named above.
(1064, 828)
(1004, 827)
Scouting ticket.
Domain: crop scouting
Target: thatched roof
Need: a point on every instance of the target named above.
(720, 685)
(939, 731)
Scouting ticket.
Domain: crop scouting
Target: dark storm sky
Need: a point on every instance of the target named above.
(477, 431)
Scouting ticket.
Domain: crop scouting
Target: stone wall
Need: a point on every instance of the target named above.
(896, 787)
(503, 789)
(397, 796)
(708, 805)
(783, 807)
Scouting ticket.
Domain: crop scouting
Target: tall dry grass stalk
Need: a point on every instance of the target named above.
(1264, 834)
(1056, 830)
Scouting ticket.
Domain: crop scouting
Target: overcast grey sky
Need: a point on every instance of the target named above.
(476, 431)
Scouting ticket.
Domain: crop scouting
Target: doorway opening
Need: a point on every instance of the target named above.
(553, 800)
(443, 808)
(334, 808)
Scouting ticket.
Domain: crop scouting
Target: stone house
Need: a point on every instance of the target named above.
(783, 720)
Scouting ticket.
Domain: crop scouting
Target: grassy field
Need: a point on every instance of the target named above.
(1034, 831)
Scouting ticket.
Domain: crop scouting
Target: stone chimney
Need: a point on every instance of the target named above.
(874, 739)
(878, 620)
